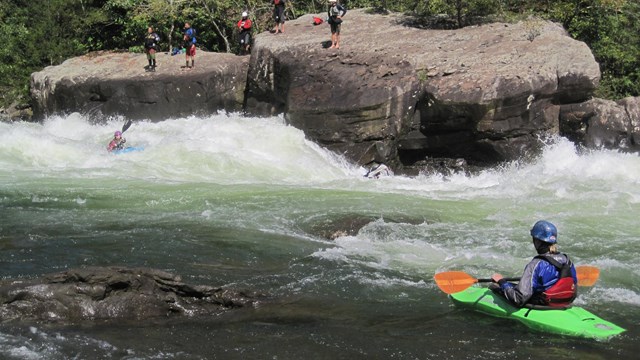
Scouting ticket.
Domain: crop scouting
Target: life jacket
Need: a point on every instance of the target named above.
(150, 41)
(564, 291)
(276, 2)
(244, 24)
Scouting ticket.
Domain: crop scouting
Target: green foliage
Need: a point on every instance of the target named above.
(40, 33)
(610, 28)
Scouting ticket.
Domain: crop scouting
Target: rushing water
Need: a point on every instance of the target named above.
(244, 203)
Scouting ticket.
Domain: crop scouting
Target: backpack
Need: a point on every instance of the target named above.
(317, 20)
(564, 291)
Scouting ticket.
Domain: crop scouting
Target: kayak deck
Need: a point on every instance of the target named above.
(574, 321)
(128, 149)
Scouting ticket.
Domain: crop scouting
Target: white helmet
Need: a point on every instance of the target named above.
(245, 14)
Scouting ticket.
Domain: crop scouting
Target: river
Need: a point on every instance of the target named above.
(245, 203)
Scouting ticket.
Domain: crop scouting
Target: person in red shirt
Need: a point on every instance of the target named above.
(117, 143)
(244, 26)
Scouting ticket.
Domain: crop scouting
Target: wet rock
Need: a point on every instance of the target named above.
(599, 123)
(113, 293)
(339, 225)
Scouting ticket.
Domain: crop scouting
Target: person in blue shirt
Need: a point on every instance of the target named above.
(549, 279)
(189, 38)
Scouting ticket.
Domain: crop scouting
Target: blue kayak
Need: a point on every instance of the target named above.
(128, 150)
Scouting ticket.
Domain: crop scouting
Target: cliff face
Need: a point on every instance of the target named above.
(392, 93)
(117, 84)
(396, 92)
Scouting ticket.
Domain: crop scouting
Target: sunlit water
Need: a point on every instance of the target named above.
(248, 203)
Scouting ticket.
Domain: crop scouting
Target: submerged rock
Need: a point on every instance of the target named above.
(112, 293)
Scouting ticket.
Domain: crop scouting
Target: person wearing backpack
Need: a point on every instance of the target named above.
(189, 38)
(549, 279)
(334, 18)
(151, 47)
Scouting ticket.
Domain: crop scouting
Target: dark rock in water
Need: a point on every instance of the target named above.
(599, 123)
(337, 225)
(112, 293)
(332, 227)
(443, 166)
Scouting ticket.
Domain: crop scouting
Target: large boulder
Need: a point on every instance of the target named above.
(112, 293)
(599, 123)
(393, 93)
(103, 84)
(396, 93)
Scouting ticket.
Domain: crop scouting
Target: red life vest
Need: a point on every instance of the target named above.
(564, 291)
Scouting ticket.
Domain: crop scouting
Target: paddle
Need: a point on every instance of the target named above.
(126, 126)
(452, 282)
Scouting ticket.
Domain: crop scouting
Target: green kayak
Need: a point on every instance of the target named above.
(574, 321)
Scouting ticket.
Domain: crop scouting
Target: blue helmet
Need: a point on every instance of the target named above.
(545, 231)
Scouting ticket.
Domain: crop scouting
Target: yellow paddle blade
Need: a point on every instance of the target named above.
(451, 282)
(587, 275)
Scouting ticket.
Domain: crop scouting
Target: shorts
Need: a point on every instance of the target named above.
(278, 14)
(151, 53)
(335, 28)
(191, 51)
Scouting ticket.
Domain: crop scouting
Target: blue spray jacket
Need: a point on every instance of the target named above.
(538, 276)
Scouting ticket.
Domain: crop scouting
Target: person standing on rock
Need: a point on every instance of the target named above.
(244, 28)
(151, 47)
(189, 45)
(336, 12)
(278, 15)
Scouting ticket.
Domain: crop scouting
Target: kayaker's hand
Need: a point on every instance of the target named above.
(496, 277)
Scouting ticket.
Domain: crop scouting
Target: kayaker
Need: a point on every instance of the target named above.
(548, 279)
(378, 170)
(117, 143)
